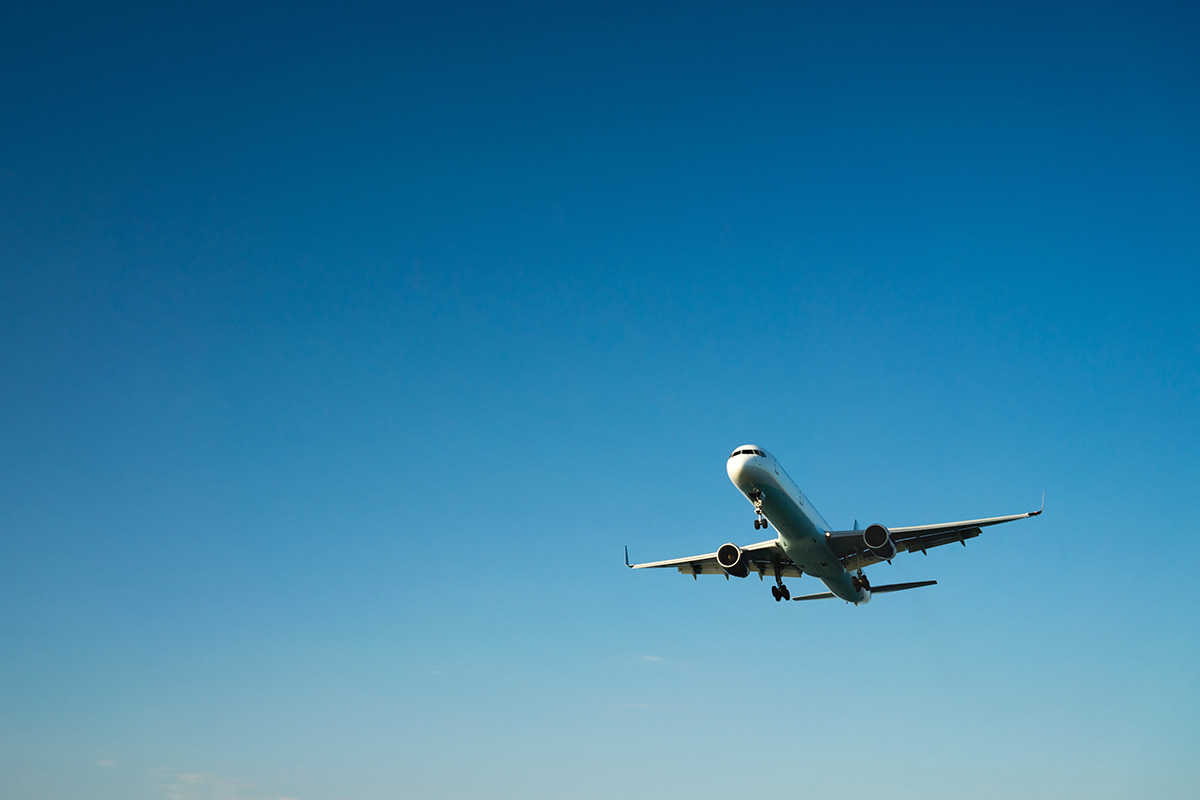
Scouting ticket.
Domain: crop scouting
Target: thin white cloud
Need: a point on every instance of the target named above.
(651, 658)
(105, 762)
(203, 786)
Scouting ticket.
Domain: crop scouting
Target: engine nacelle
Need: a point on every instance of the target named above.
(879, 540)
(731, 559)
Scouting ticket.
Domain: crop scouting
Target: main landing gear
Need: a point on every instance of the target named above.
(778, 590)
(859, 581)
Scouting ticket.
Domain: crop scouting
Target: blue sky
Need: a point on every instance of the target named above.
(343, 348)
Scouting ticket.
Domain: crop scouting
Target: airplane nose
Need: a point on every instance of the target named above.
(741, 470)
(747, 466)
(734, 467)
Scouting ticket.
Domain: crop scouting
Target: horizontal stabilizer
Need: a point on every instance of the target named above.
(891, 587)
(900, 587)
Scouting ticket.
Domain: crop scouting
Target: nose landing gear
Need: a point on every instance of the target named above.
(760, 522)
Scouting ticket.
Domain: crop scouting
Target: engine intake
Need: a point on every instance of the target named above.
(879, 540)
(731, 559)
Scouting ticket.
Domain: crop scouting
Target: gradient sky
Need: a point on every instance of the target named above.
(343, 348)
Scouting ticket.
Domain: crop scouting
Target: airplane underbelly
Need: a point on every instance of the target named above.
(812, 557)
(805, 545)
(801, 540)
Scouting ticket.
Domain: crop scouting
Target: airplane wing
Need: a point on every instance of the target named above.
(762, 558)
(852, 550)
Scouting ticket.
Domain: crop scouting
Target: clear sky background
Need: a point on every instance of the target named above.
(343, 348)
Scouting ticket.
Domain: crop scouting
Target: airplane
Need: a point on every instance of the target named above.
(806, 544)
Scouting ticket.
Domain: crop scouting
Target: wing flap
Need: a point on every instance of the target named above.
(764, 569)
(951, 527)
(921, 542)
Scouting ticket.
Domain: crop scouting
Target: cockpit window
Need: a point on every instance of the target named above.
(748, 452)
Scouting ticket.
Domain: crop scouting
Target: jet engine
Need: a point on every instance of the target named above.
(879, 539)
(733, 560)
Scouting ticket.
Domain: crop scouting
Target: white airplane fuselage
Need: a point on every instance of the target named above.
(800, 529)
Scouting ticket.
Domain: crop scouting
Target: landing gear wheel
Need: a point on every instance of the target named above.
(855, 583)
(757, 524)
(783, 590)
(775, 593)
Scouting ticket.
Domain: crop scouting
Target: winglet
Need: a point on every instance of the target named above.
(627, 557)
(1041, 507)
